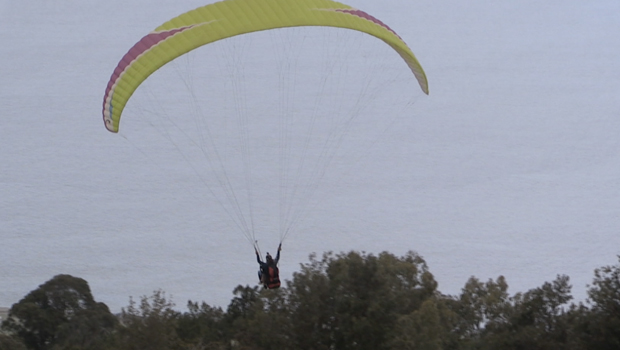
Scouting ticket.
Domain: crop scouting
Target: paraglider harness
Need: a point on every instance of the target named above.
(269, 272)
(271, 277)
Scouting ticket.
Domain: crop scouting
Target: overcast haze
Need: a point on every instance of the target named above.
(511, 166)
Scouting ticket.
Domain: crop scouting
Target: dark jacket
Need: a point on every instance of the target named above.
(269, 273)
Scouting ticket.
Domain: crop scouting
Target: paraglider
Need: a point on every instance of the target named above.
(269, 274)
(226, 19)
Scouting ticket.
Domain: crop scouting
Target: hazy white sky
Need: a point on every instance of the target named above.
(509, 167)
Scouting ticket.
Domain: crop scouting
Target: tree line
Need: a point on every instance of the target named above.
(338, 301)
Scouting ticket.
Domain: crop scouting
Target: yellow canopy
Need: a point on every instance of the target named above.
(229, 18)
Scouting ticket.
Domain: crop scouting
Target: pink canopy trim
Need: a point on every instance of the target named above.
(146, 43)
(364, 15)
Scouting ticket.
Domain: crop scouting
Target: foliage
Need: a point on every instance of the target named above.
(8, 342)
(202, 325)
(532, 320)
(60, 313)
(602, 329)
(340, 301)
(363, 298)
(151, 324)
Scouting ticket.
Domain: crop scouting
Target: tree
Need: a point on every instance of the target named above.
(258, 319)
(420, 330)
(61, 311)
(308, 296)
(202, 326)
(465, 318)
(151, 324)
(535, 319)
(8, 342)
(354, 300)
(601, 329)
(90, 329)
(481, 305)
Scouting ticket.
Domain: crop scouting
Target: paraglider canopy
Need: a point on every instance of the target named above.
(229, 18)
(289, 139)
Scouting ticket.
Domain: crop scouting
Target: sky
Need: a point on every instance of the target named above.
(510, 166)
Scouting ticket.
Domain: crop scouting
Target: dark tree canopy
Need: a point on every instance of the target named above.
(58, 311)
(341, 301)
